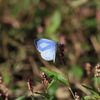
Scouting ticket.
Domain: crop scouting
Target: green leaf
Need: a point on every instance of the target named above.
(86, 46)
(96, 96)
(55, 21)
(6, 78)
(45, 95)
(88, 98)
(90, 22)
(77, 71)
(32, 97)
(52, 81)
(21, 98)
(51, 98)
(53, 88)
(91, 90)
(56, 76)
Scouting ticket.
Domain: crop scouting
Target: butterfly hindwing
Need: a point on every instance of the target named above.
(48, 54)
(47, 48)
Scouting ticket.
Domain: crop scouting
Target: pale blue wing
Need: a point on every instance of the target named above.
(44, 44)
(47, 48)
(49, 54)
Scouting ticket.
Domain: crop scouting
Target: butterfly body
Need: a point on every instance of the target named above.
(47, 48)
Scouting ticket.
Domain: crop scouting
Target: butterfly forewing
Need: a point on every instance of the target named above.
(43, 44)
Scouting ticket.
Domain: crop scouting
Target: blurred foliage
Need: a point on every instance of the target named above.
(75, 23)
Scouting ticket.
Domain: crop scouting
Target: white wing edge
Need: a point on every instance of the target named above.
(56, 46)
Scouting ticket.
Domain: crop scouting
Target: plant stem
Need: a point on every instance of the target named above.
(69, 87)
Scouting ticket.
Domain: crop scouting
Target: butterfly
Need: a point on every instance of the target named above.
(47, 48)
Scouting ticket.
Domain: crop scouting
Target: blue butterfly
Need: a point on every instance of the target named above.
(47, 48)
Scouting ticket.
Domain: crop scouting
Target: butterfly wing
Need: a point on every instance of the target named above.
(49, 54)
(43, 44)
(47, 48)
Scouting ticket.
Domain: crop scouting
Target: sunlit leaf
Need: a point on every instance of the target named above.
(96, 96)
(56, 76)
